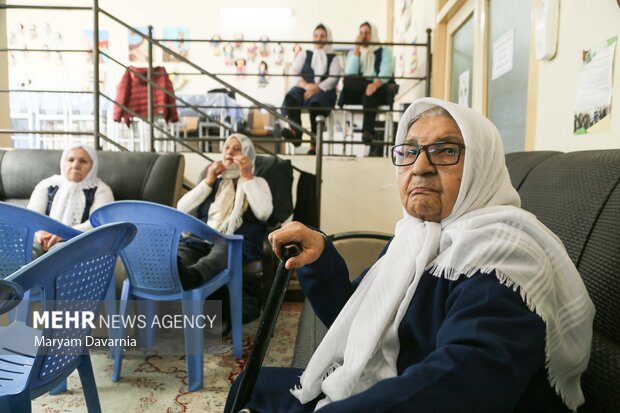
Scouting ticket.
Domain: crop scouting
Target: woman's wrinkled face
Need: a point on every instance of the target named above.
(77, 164)
(232, 148)
(365, 34)
(319, 35)
(428, 191)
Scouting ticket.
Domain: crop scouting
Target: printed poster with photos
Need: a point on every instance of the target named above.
(257, 59)
(594, 89)
(178, 45)
(138, 46)
(104, 44)
(405, 57)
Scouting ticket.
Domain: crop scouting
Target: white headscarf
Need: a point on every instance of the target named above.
(367, 54)
(319, 57)
(486, 232)
(226, 212)
(70, 201)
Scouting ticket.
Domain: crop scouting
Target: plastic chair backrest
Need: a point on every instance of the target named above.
(151, 259)
(73, 277)
(360, 250)
(17, 228)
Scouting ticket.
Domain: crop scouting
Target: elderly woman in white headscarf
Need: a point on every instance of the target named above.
(474, 306)
(318, 71)
(368, 71)
(71, 196)
(231, 200)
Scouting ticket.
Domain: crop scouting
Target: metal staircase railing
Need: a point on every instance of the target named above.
(150, 119)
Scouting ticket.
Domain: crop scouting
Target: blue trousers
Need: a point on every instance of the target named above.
(295, 97)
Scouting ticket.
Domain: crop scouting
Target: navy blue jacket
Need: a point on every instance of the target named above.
(469, 345)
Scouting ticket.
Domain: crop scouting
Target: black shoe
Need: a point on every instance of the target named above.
(367, 137)
(290, 134)
(190, 277)
(312, 151)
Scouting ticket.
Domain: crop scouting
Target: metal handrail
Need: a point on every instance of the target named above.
(96, 10)
(26, 6)
(205, 72)
(288, 75)
(47, 50)
(167, 92)
(162, 130)
(324, 42)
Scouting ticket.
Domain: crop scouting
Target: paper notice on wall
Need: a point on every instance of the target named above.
(594, 89)
(464, 88)
(503, 54)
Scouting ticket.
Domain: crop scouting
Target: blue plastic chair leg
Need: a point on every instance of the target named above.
(16, 403)
(118, 350)
(22, 311)
(61, 388)
(234, 287)
(146, 336)
(193, 344)
(110, 310)
(87, 377)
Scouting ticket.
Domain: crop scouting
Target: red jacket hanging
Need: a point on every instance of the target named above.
(132, 92)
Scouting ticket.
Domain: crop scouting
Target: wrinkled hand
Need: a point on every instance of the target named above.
(54, 239)
(42, 237)
(46, 239)
(312, 243)
(213, 171)
(358, 43)
(310, 92)
(371, 88)
(245, 166)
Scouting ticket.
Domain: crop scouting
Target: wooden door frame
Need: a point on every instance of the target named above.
(446, 10)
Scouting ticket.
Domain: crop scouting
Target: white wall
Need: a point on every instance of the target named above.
(583, 24)
(203, 20)
(422, 18)
(5, 140)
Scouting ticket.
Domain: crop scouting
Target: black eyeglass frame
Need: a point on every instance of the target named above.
(425, 149)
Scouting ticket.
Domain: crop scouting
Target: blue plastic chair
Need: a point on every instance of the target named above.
(151, 263)
(72, 277)
(17, 228)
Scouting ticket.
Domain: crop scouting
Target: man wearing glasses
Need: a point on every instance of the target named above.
(474, 306)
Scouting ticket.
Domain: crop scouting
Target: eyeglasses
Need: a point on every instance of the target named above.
(438, 153)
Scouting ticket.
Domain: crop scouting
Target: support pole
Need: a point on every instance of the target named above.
(96, 127)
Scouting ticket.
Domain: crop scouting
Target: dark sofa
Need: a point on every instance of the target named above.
(576, 195)
(131, 175)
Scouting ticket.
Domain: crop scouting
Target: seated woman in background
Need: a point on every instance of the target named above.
(474, 306)
(71, 196)
(318, 72)
(231, 200)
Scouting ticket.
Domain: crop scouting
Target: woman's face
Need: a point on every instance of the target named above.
(319, 35)
(428, 191)
(77, 164)
(232, 148)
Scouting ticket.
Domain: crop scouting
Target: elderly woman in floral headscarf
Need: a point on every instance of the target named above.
(231, 200)
(474, 306)
(71, 196)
